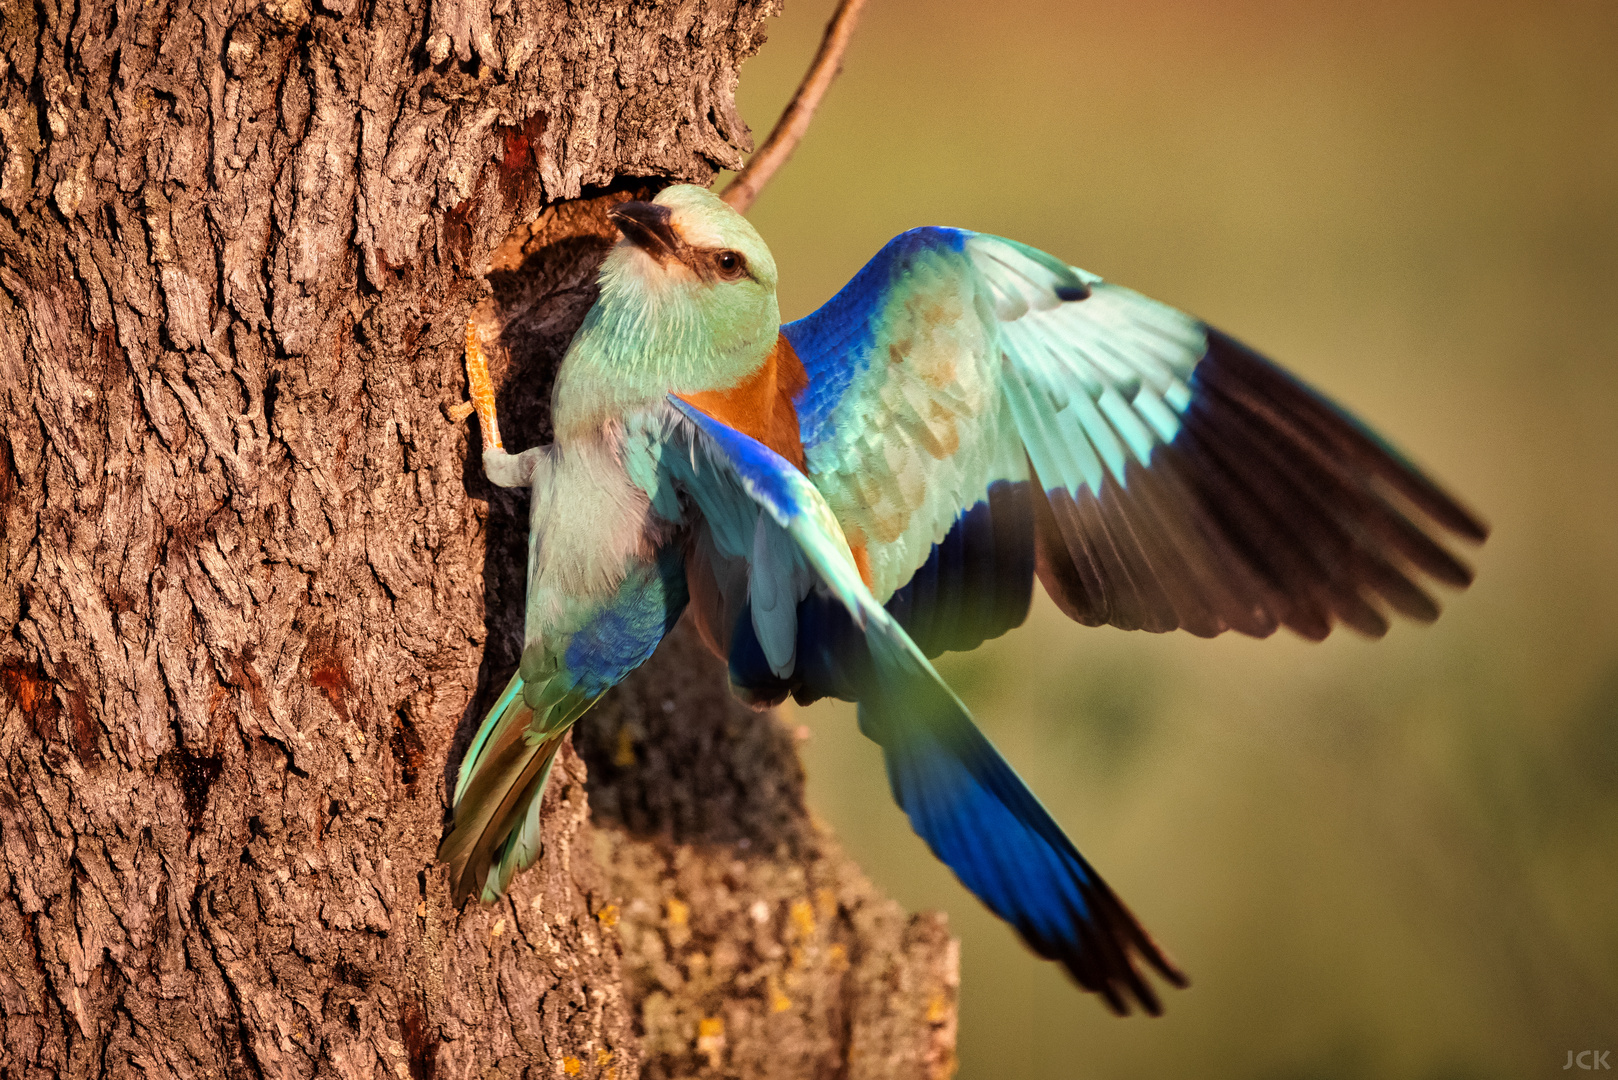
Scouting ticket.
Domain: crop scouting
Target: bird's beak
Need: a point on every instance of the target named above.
(647, 226)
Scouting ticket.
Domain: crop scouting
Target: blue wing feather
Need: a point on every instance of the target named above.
(625, 633)
(834, 342)
(976, 585)
(961, 796)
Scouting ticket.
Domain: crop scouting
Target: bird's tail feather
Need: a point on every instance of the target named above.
(499, 791)
(521, 807)
(978, 816)
(499, 718)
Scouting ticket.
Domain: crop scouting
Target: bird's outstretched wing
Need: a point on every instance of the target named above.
(976, 408)
(962, 797)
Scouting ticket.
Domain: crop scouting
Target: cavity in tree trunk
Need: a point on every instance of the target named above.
(256, 592)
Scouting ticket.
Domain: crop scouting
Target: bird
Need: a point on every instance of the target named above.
(835, 501)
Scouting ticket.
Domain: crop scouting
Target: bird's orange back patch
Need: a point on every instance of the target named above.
(761, 406)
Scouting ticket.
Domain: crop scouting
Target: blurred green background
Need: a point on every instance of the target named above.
(1376, 859)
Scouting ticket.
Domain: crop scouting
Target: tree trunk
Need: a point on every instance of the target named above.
(245, 637)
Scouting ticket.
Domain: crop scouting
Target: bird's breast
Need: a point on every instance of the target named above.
(760, 405)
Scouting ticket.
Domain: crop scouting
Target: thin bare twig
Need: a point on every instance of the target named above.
(795, 120)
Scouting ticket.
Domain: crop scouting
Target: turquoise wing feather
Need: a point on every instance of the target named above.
(976, 408)
(961, 796)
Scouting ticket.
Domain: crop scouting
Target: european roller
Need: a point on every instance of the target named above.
(834, 501)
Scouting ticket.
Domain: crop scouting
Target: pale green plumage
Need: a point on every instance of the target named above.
(654, 332)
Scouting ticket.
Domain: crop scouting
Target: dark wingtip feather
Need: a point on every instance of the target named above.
(1310, 498)
(1404, 595)
(1472, 527)
(1456, 574)
(1346, 433)
(1128, 939)
(1072, 292)
(1166, 968)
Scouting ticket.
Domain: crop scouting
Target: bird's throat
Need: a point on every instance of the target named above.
(761, 404)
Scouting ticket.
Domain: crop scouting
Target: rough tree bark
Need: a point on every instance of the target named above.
(255, 591)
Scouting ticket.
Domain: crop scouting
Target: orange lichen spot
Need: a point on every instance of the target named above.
(608, 916)
(624, 755)
(28, 687)
(677, 911)
(837, 959)
(711, 1039)
(937, 1009)
(520, 158)
(761, 404)
(603, 1058)
(572, 1065)
(327, 660)
(803, 917)
(779, 1002)
(796, 957)
(825, 904)
(676, 915)
(331, 680)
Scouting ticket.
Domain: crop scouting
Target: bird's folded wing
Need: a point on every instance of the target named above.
(1169, 476)
(565, 669)
(961, 796)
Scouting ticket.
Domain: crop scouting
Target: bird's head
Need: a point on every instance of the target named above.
(691, 288)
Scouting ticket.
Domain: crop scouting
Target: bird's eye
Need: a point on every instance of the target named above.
(730, 265)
